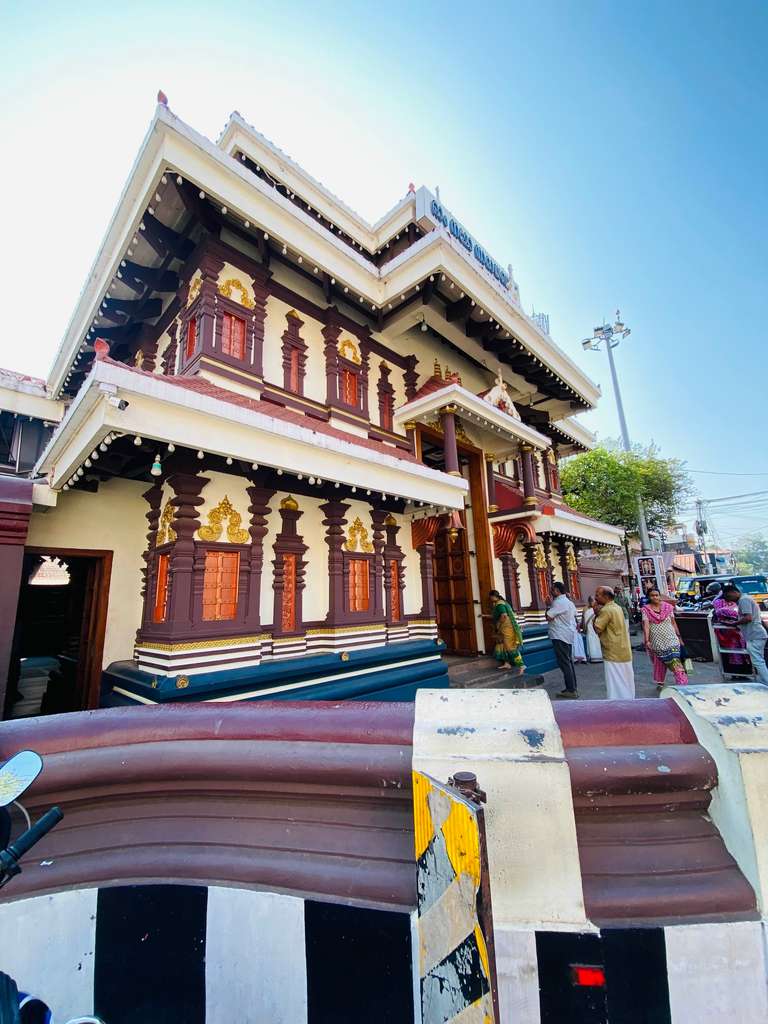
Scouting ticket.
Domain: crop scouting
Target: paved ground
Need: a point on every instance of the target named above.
(481, 673)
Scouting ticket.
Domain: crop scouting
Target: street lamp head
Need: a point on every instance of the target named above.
(588, 343)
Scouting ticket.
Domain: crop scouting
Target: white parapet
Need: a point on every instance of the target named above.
(510, 740)
(731, 722)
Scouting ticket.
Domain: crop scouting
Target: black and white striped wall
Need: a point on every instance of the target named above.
(178, 954)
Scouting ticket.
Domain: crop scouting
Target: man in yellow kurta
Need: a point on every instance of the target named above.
(610, 626)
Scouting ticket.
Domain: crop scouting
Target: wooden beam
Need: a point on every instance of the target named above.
(136, 309)
(459, 309)
(138, 277)
(165, 240)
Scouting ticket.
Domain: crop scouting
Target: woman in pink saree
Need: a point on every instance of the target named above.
(662, 639)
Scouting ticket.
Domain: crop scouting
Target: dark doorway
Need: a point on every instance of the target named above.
(59, 635)
(454, 604)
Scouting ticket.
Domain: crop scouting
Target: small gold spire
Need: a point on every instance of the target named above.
(438, 372)
(289, 503)
(390, 520)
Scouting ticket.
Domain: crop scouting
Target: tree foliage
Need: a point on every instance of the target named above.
(752, 556)
(606, 483)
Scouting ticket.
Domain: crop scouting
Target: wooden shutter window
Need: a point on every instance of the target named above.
(220, 584)
(349, 388)
(189, 351)
(233, 336)
(288, 616)
(160, 608)
(394, 589)
(293, 373)
(359, 588)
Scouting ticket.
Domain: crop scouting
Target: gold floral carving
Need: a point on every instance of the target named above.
(138, 359)
(232, 284)
(539, 558)
(194, 290)
(165, 531)
(349, 350)
(224, 510)
(357, 538)
(570, 559)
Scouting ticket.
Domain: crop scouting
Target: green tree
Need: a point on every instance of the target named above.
(752, 556)
(606, 483)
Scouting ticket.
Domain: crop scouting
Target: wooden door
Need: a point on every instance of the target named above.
(454, 606)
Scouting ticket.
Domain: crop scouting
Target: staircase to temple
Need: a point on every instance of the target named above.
(642, 786)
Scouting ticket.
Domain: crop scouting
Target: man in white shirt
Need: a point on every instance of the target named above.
(752, 629)
(561, 623)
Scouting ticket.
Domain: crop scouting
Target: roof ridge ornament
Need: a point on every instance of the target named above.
(499, 398)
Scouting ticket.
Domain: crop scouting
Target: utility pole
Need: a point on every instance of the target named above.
(612, 334)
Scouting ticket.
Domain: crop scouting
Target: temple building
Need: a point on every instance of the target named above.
(282, 451)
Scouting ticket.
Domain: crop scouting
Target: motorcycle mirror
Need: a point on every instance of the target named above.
(18, 774)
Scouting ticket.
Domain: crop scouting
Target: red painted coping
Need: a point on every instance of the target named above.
(621, 723)
(381, 723)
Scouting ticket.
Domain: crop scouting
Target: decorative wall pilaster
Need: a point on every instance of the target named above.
(510, 573)
(153, 497)
(537, 573)
(187, 489)
(258, 510)
(210, 266)
(490, 480)
(386, 396)
(293, 343)
(331, 333)
(378, 519)
(290, 568)
(169, 356)
(426, 568)
(394, 580)
(334, 522)
(259, 313)
(410, 377)
(365, 360)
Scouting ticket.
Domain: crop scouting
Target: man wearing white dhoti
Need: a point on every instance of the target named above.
(614, 641)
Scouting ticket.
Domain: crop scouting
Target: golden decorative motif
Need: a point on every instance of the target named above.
(182, 683)
(551, 457)
(206, 645)
(232, 284)
(570, 559)
(294, 314)
(390, 520)
(224, 510)
(138, 359)
(349, 350)
(357, 538)
(344, 655)
(194, 290)
(539, 558)
(165, 531)
(289, 502)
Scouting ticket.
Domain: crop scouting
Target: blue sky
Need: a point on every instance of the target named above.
(614, 153)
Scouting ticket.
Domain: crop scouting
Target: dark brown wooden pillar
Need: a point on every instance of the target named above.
(260, 293)
(529, 479)
(153, 497)
(334, 523)
(258, 511)
(410, 377)
(533, 558)
(15, 510)
(187, 488)
(331, 333)
(450, 450)
(289, 587)
(168, 362)
(394, 584)
(378, 518)
(511, 576)
(426, 567)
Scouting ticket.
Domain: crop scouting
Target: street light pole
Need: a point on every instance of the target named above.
(612, 334)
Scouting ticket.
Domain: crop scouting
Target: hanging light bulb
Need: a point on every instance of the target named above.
(171, 447)
(137, 440)
(201, 455)
(424, 327)
(157, 466)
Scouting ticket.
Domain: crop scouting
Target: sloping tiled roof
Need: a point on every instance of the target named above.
(202, 386)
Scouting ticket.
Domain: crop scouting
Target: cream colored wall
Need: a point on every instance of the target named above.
(411, 567)
(111, 520)
(311, 333)
(427, 349)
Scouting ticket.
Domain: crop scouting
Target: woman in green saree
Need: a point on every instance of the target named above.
(509, 639)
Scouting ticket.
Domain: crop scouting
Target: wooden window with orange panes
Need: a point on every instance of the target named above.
(160, 606)
(220, 585)
(233, 336)
(191, 344)
(394, 590)
(359, 585)
(288, 610)
(349, 390)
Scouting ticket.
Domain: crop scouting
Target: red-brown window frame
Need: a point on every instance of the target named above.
(162, 573)
(358, 567)
(190, 342)
(215, 555)
(228, 321)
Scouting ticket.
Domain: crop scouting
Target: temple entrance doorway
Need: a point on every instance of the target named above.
(454, 605)
(58, 639)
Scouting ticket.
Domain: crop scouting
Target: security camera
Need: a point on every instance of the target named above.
(118, 403)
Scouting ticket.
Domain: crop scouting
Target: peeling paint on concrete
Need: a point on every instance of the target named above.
(533, 737)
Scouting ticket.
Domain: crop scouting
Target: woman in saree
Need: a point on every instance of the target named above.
(591, 639)
(509, 639)
(662, 639)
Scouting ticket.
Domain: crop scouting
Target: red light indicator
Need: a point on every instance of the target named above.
(586, 976)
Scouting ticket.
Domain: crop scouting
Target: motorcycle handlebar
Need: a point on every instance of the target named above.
(33, 835)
